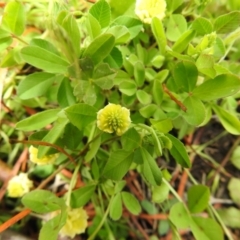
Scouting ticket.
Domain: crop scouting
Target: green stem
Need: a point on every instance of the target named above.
(102, 221)
(19, 39)
(172, 190)
(228, 234)
(72, 183)
(153, 134)
(110, 235)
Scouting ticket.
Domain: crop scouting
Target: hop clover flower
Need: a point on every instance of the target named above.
(76, 222)
(19, 185)
(41, 161)
(147, 9)
(113, 119)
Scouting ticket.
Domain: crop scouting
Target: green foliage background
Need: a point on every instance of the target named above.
(69, 60)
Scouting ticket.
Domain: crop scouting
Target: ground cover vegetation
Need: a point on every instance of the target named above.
(119, 119)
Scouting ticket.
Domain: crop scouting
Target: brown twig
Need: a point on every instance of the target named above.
(179, 103)
(139, 227)
(160, 216)
(42, 143)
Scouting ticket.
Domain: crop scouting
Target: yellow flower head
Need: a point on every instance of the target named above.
(76, 222)
(147, 9)
(113, 118)
(41, 161)
(19, 185)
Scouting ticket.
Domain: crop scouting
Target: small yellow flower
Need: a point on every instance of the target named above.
(41, 161)
(113, 118)
(147, 9)
(19, 185)
(76, 222)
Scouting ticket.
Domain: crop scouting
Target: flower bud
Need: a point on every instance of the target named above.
(76, 222)
(146, 10)
(41, 161)
(19, 185)
(113, 119)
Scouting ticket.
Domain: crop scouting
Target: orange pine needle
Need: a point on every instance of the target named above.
(14, 219)
(182, 184)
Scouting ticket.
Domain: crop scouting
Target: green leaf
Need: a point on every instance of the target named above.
(221, 86)
(95, 169)
(86, 92)
(38, 120)
(121, 34)
(118, 164)
(227, 23)
(179, 152)
(198, 198)
(202, 26)
(206, 229)
(143, 97)
(100, 47)
(157, 91)
(65, 94)
(229, 121)
(219, 48)
(43, 171)
(195, 113)
(133, 25)
(114, 59)
(42, 43)
(182, 43)
(101, 11)
(123, 7)
(70, 25)
(42, 201)
(205, 64)
(9, 59)
(82, 195)
(14, 17)
(44, 59)
(139, 73)
(116, 207)
(103, 76)
(149, 207)
(51, 228)
(234, 190)
(148, 110)
(5, 42)
(230, 216)
(93, 26)
(172, 5)
(119, 186)
(159, 34)
(163, 126)
(93, 149)
(130, 140)
(128, 87)
(5, 39)
(160, 193)
(131, 203)
(53, 135)
(87, 67)
(72, 136)
(185, 75)
(80, 115)
(151, 171)
(176, 26)
(179, 216)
